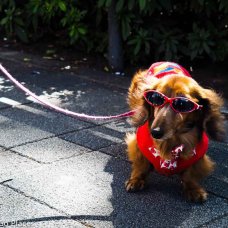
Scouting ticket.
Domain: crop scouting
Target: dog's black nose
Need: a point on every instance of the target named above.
(157, 133)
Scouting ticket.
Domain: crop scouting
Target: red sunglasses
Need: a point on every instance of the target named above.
(178, 104)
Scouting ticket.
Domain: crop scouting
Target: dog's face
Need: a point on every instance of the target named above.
(170, 128)
(167, 123)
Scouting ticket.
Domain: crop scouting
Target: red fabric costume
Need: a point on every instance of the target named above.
(145, 140)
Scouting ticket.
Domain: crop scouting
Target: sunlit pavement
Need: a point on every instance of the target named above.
(56, 171)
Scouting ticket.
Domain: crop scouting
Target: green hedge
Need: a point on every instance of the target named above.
(150, 29)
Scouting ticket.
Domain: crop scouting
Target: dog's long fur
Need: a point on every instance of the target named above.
(178, 128)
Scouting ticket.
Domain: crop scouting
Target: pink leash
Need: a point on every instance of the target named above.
(58, 109)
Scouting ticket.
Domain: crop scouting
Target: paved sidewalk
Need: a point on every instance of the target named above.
(56, 171)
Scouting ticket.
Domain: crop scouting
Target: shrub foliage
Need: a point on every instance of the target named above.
(150, 29)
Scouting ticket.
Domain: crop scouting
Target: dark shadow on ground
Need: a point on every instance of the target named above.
(162, 204)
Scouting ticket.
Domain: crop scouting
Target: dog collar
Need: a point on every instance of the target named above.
(176, 164)
(161, 69)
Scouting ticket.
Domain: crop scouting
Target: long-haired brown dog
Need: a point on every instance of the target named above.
(178, 114)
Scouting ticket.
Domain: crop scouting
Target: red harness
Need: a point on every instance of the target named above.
(176, 164)
(145, 140)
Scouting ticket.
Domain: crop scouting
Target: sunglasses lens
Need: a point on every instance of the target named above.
(155, 98)
(183, 105)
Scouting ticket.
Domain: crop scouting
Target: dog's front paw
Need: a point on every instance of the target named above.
(197, 195)
(133, 185)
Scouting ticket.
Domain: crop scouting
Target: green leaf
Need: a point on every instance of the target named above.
(206, 48)
(82, 30)
(4, 21)
(119, 5)
(64, 21)
(131, 42)
(72, 33)
(35, 23)
(138, 47)
(194, 54)
(142, 4)
(35, 9)
(131, 4)
(101, 3)
(196, 28)
(19, 21)
(200, 51)
(147, 48)
(126, 28)
(108, 3)
(62, 6)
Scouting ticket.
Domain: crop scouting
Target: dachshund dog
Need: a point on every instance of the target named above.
(174, 117)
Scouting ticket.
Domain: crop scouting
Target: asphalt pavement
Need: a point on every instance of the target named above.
(57, 171)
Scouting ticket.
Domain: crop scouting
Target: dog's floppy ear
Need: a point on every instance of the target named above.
(213, 120)
(141, 114)
(136, 100)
